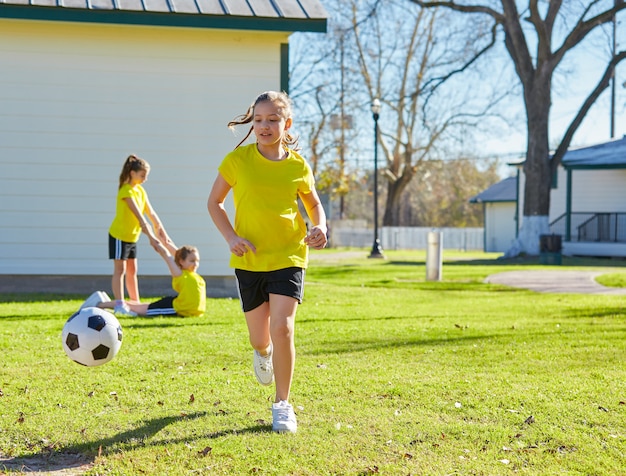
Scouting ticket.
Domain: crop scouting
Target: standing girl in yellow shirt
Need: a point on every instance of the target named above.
(132, 205)
(269, 240)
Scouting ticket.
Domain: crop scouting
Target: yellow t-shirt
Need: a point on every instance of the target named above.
(125, 225)
(265, 194)
(191, 289)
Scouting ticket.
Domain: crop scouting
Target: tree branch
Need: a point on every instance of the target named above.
(462, 8)
(442, 79)
(543, 28)
(583, 27)
(591, 99)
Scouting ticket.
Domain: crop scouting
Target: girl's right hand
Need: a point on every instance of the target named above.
(163, 236)
(156, 244)
(240, 246)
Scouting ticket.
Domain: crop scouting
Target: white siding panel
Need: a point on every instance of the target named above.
(13, 236)
(20, 225)
(558, 195)
(599, 191)
(76, 99)
(593, 191)
(521, 183)
(499, 226)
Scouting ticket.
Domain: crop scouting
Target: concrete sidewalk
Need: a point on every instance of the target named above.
(548, 281)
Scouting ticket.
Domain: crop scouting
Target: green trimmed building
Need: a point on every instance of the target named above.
(86, 83)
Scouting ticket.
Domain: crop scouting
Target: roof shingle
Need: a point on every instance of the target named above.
(284, 15)
(609, 155)
(503, 191)
(254, 8)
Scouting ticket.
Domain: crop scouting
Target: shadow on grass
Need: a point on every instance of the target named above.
(82, 456)
(516, 261)
(526, 261)
(605, 312)
(536, 261)
(502, 339)
(147, 323)
(363, 345)
(443, 286)
(133, 323)
(521, 262)
(39, 297)
(55, 459)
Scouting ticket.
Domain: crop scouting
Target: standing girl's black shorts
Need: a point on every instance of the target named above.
(255, 287)
(119, 249)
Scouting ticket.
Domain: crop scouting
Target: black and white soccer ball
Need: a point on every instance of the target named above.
(92, 336)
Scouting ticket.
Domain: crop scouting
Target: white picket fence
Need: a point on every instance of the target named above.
(406, 238)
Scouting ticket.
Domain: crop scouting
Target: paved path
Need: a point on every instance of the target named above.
(543, 281)
(548, 281)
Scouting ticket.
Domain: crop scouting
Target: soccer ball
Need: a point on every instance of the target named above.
(92, 336)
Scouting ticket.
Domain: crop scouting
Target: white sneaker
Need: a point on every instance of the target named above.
(263, 368)
(104, 297)
(123, 310)
(91, 301)
(284, 419)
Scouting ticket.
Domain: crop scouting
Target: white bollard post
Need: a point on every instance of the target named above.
(434, 256)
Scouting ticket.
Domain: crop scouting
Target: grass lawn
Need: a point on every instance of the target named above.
(394, 375)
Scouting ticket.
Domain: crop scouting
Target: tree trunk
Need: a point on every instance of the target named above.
(395, 188)
(535, 73)
(538, 176)
(392, 208)
(537, 165)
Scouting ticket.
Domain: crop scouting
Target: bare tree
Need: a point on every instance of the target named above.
(553, 29)
(405, 70)
(335, 78)
(439, 197)
(322, 87)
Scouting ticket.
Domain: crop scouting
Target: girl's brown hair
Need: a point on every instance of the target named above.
(183, 252)
(132, 164)
(283, 101)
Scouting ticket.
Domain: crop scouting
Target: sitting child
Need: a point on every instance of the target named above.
(190, 286)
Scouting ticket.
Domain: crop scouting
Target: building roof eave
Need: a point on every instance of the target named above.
(594, 167)
(166, 19)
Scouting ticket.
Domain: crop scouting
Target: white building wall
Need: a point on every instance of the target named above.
(521, 181)
(593, 191)
(499, 226)
(599, 191)
(77, 99)
(558, 195)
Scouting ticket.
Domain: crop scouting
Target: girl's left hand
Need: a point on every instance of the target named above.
(156, 244)
(316, 238)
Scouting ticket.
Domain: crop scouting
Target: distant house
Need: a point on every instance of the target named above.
(587, 202)
(500, 222)
(86, 83)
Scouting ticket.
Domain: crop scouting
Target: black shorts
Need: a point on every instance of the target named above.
(162, 307)
(255, 287)
(119, 249)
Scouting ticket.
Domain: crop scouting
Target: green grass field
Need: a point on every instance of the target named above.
(394, 376)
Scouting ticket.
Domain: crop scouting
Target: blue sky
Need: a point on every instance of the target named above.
(594, 129)
(577, 77)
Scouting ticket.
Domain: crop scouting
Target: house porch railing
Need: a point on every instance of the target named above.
(592, 227)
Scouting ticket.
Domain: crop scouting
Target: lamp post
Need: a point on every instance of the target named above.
(614, 46)
(377, 251)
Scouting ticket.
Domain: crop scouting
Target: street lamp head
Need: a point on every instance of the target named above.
(376, 107)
